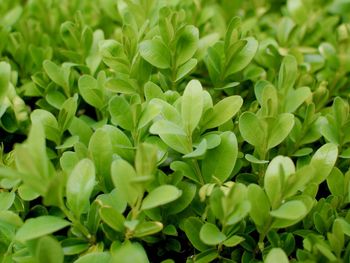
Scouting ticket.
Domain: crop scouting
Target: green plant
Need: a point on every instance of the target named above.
(174, 131)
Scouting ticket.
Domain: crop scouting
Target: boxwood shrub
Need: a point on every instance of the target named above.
(137, 131)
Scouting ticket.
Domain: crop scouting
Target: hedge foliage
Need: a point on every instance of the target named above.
(139, 131)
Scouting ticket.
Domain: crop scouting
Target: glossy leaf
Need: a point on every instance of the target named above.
(79, 186)
(161, 195)
(40, 226)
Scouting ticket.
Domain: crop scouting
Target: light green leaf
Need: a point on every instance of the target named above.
(186, 44)
(161, 195)
(49, 122)
(223, 111)
(260, 205)
(55, 73)
(6, 200)
(148, 228)
(288, 72)
(192, 227)
(89, 90)
(129, 252)
(280, 129)
(290, 210)
(233, 241)
(220, 161)
(40, 226)
(94, 257)
(122, 174)
(335, 182)
(192, 106)
(120, 111)
(112, 218)
(243, 57)
(67, 113)
(100, 149)
(278, 171)
(79, 186)
(148, 114)
(185, 69)
(156, 53)
(49, 250)
(5, 74)
(252, 129)
(166, 127)
(253, 159)
(211, 235)
(323, 161)
(199, 151)
(276, 255)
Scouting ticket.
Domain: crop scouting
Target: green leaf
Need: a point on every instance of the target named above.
(146, 159)
(297, 10)
(192, 227)
(166, 127)
(121, 85)
(79, 186)
(185, 69)
(335, 182)
(49, 122)
(49, 250)
(55, 73)
(296, 98)
(211, 235)
(276, 255)
(184, 169)
(122, 174)
(323, 161)
(100, 149)
(278, 171)
(220, 161)
(148, 228)
(151, 111)
(223, 111)
(290, 210)
(6, 200)
(252, 129)
(280, 129)
(5, 74)
(177, 142)
(186, 44)
(32, 161)
(112, 218)
(89, 90)
(192, 106)
(260, 205)
(129, 252)
(243, 57)
(207, 256)
(253, 159)
(188, 194)
(199, 151)
(120, 111)
(288, 73)
(155, 52)
(40, 226)
(94, 257)
(233, 241)
(161, 195)
(67, 113)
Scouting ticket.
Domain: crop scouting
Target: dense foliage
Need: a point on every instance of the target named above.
(174, 131)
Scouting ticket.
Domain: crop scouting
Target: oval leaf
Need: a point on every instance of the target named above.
(211, 235)
(161, 195)
(79, 186)
(40, 226)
